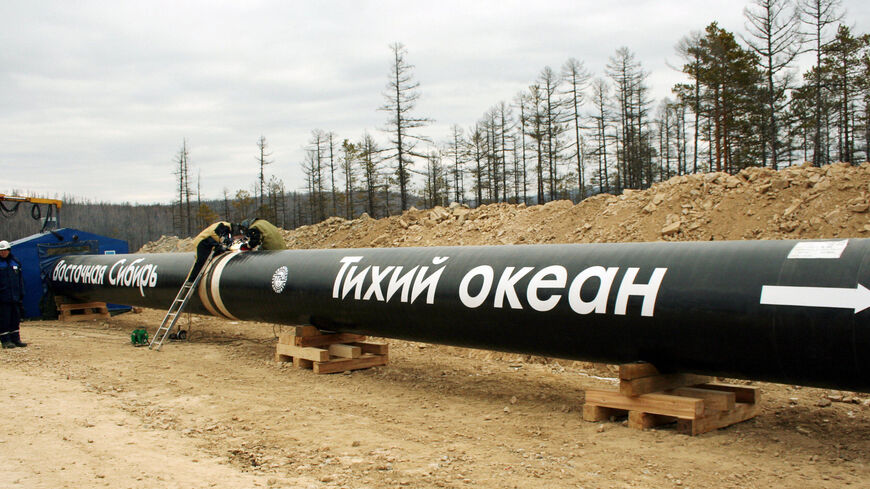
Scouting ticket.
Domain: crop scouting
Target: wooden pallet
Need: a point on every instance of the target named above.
(327, 353)
(83, 311)
(652, 399)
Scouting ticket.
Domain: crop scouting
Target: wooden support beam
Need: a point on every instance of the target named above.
(631, 371)
(676, 406)
(655, 383)
(716, 420)
(304, 331)
(714, 400)
(599, 413)
(373, 348)
(345, 351)
(302, 363)
(343, 364)
(327, 339)
(82, 305)
(643, 421)
(308, 353)
(743, 393)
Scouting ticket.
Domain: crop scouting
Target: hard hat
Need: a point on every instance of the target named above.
(4, 245)
(246, 224)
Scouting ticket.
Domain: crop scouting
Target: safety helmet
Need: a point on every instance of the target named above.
(246, 224)
(4, 245)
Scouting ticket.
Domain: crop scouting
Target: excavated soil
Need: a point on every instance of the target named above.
(84, 408)
(757, 203)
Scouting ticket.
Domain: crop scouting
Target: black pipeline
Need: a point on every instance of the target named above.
(782, 311)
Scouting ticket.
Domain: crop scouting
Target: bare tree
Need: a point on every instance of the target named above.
(331, 137)
(817, 15)
(520, 100)
(262, 161)
(401, 96)
(476, 146)
(775, 37)
(554, 125)
(314, 163)
(350, 155)
(182, 173)
(577, 77)
(536, 129)
(455, 150)
(370, 158)
(600, 98)
(505, 126)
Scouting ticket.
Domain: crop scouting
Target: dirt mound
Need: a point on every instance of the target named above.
(168, 244)
(757, 203)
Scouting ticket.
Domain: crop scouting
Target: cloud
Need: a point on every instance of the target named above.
(97, 96)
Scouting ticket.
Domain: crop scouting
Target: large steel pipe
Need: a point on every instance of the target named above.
(782, 311)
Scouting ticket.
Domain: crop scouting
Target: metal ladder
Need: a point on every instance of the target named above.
(177, 306)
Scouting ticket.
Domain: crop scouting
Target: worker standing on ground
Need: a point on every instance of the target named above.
(11, 297)
(217, 237)
(262, 233)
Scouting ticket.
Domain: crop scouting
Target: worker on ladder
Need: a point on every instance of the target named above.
(217, 237)
(262, 235)
(211, 242)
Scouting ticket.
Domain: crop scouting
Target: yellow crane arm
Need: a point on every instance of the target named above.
(34, 200)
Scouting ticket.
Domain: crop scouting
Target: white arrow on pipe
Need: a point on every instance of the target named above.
(777, 295)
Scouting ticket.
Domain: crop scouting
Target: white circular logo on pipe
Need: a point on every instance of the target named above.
(279, 279)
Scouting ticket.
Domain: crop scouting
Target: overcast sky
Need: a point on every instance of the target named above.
(96, 97)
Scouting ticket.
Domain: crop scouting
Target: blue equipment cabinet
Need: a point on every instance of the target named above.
(38, 253)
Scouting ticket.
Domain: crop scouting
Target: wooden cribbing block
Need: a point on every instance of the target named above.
(83, 311)
(645, 385)
(644, 421)
(668, 405)
(83, 305)
(742, 393)
(308, 353)
(328, 339)
(373, 348)
(720, 419)
(302, 363)
(593, 412)
(714, 400)
(325, 353)
(340, 365)
(642, 378)
(303, 331)
(345, 351)
(651, 399)
(631, 371)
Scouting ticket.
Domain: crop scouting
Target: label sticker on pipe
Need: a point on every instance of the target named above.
(818, 249)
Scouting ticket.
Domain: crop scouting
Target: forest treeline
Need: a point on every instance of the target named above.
(135, 223)
(568, 134)
(571, 133)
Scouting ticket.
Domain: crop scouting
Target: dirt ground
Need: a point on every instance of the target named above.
(84, 408)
